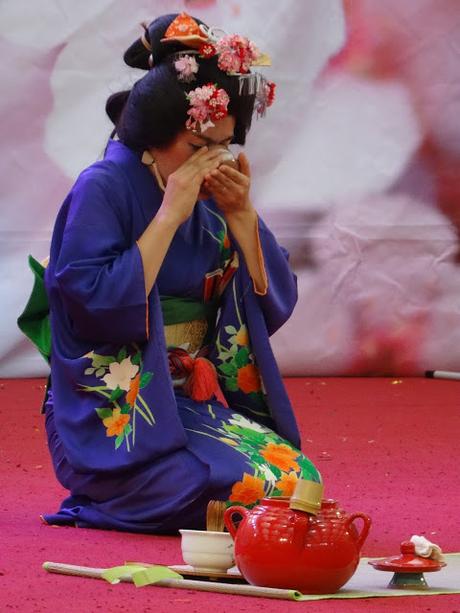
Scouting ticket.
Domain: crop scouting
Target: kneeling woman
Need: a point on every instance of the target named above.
(164, 287)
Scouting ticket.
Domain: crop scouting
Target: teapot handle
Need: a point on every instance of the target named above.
(228, 518)
(365, 529)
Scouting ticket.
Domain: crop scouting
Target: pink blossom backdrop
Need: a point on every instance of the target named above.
(356, 166)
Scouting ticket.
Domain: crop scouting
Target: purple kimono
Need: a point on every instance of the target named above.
(136, 453)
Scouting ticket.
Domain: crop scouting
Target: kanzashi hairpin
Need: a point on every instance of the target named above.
(207, 104)
(186, 67)
(235, 54)
(265, 97)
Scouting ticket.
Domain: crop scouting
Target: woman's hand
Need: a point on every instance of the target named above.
(179, 200)
(230, 188)
(184, 184)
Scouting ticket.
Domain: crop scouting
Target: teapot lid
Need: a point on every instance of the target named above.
(408, 561)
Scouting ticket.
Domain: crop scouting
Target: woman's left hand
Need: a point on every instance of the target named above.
(230, 187)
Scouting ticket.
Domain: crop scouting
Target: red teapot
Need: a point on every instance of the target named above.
(277, 546)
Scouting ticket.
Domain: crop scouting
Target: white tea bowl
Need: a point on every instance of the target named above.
(207, 550)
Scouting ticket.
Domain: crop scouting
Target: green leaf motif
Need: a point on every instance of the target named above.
(306, 467)
(146, 377)
(136, 359)
(119, 440)
(232, 429)
(104, 412)
(102, 360)
(126, 409)
(247, 449)
(100, 372)
(275, 470)
(257, 459)
(89, 371)
(228, 369)
(127, 430)
(253, 436)
(116, 394)
(242, 357)
(122, 354)
(231, 385)
(231, 330)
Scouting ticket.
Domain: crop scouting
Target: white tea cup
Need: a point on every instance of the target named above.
(207, 551)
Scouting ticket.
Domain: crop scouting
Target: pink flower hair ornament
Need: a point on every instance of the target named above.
(186, 67)
(207, 104)
(236, 54)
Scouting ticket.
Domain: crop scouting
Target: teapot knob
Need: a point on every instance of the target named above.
(408, 547)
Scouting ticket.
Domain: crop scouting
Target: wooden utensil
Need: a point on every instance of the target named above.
(215, 515)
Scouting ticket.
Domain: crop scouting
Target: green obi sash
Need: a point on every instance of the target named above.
(34, 321)
(178, 310)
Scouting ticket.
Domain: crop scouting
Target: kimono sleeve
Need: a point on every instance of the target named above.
(98, 269)
(280, 297)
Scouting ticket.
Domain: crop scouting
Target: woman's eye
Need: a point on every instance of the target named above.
(195, 147)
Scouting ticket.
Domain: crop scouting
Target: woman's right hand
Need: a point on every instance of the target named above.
(183, 185)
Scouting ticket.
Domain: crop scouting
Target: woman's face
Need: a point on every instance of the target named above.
(188, 142)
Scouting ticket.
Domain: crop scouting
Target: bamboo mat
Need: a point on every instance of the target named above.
(366, 582)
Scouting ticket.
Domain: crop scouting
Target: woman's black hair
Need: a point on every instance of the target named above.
(154, 112)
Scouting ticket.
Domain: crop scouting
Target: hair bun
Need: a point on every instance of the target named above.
(115, 105)
(138, 54)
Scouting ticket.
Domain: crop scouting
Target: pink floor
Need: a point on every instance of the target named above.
(387, 447)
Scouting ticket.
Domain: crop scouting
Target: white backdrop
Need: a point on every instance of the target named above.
(336, 165)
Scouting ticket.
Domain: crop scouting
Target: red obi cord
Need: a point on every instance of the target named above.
(200, 374)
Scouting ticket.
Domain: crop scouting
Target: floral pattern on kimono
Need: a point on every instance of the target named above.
(136, 454)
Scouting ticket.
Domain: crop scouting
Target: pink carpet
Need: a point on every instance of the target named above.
(386, 447)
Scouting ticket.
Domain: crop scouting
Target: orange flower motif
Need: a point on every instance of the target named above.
(242, 337)
(115, 424)
(247, 491)
(281, 456)
(287, 483)
(248, 379)
(133, 390)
